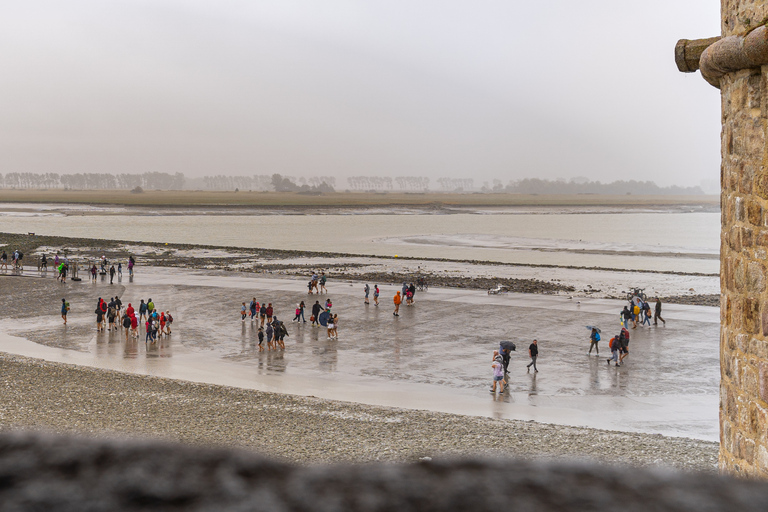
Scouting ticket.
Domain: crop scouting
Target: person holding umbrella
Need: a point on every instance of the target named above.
(594, 337)
(505, 348)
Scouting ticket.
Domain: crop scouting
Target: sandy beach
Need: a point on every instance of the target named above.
(107, 400)
(315, 379)
(57, 397)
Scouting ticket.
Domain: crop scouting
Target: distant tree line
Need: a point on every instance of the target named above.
(97, 181)
(419, 183)
(538, 186)
(327, 184)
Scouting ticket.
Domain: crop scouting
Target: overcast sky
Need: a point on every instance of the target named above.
(484, 89)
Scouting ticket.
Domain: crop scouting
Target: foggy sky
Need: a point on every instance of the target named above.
(484, 89)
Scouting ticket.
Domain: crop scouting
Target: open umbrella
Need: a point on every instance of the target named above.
(323, 318)
(507, 345)
(590, 327)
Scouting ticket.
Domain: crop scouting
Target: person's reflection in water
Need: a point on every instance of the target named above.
(131, 349)
(275, 361)
(533, 391)
(594, 374)
(327, 356)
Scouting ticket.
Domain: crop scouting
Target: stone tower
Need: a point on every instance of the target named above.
(737, 63)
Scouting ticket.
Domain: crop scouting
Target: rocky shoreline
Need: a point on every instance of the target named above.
(63, 398)
(335, 264)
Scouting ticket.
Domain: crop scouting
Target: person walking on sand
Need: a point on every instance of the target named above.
(316, 308)
(112, 273)
(657, 313)
(253, 307)
(4, 260)
(498, 372)
(270, 312)
(322, 283)
(142, 311)
(367, 290)
(594, 337)
(645, 311)
(131, 263)
(127, 325)
(301, 311)
(623, 346)
(261, 339)
(397, 300)
(280, 333)
(93, 273)
(375, 295)
(263, 313)
(243, 312)
(99, 316)
(330, 327)
(613, 344)
(270, 334)
(533, 352)
(626, 317)
(298, 314)
(64, 310)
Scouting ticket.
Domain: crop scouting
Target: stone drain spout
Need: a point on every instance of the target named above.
(719, 56)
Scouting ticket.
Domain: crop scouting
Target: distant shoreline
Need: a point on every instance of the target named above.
(192, 198)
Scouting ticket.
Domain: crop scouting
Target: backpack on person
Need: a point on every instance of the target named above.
(66, 306)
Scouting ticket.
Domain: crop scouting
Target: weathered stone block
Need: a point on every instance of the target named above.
(762, 372)
(751, 315)
(742, 342)
(758, 347)
(746, 237)
(754, 212)
(749, 382)
(755, 277)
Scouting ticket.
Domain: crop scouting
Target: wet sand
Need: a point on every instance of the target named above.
(435, 356)
(675, 287)
(59, 397)
(272, 200)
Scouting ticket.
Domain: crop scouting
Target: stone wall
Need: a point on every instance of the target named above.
(53, 473)
(744, 256)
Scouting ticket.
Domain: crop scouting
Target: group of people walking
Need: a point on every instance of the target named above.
(638, 309)
(500, 363)
(266, 322)
(316, 283)
(16, 260)
(111, 317)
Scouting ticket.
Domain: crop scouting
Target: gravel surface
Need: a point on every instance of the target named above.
(63, 398)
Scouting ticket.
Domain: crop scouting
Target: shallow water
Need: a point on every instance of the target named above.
(435, 356)
(657, 241)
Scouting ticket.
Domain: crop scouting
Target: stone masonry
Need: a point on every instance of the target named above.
(737, 63)
(744, 238)
(744, 253)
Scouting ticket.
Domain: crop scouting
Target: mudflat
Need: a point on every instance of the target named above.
(177, 198)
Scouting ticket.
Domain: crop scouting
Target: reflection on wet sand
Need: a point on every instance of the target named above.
(442, 343)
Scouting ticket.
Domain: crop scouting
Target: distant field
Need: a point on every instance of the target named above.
(177, 198)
